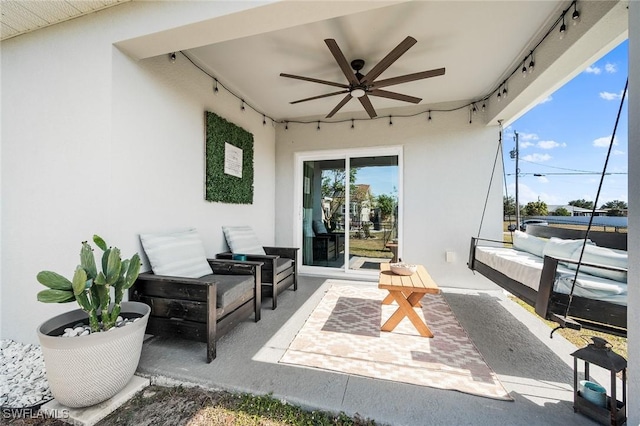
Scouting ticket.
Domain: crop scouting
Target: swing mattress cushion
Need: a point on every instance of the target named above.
(526, 268)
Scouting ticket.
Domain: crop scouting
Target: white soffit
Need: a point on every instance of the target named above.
(20, 17)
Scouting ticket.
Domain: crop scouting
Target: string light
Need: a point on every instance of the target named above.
(475, 110)
(242, 105)
(531, 63)
(484, 106)
(318, 128)
(470, 116)
(390, 122)
(264, 120)
(429, 118)
(504, 91)
(575, 17)
(172, 57)
(286, 125)
(352, 124)
(524, 68)
(215, 88)
(563, 28)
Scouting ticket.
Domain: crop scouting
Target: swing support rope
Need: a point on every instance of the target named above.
(595, 203)
(493, 170)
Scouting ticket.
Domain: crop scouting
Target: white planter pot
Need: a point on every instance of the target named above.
(84, 371)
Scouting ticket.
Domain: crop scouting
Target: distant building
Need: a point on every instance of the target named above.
(576, 211)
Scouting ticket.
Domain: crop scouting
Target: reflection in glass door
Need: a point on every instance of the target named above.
(323, 201)
(350, 215)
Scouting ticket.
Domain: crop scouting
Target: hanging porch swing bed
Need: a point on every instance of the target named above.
(541, 272)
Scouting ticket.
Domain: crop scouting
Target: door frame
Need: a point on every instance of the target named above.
(338, 154)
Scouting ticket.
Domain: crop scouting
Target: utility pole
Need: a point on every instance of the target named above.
(515, 155)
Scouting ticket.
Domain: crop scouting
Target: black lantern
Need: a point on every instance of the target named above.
(591, 399)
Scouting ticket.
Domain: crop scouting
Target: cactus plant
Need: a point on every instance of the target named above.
(92, 289)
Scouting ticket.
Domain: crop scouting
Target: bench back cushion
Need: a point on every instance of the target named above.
(529, 243)
(242, 240)
(176, 254)
(603, 256)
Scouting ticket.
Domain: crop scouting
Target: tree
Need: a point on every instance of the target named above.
(615, 207)
(333, 186)
(582, 203)
(536, 208)
(387, 205)
(508, 205)
(561, 211)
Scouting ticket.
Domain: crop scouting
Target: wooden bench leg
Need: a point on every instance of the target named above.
(405, 309)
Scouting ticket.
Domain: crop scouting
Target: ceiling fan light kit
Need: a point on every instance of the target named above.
(362, 86)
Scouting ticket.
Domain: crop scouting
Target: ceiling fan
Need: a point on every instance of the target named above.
(362, 86)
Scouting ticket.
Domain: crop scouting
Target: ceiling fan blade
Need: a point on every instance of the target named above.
(393, 95)
(389, 59)
(341, 60)
(366, 103)
(408, 77)
(314, 80)
(320, 96)
(342, 103)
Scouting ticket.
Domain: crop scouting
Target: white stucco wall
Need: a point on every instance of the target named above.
(447, 166)
(633, 314)
(95, 142)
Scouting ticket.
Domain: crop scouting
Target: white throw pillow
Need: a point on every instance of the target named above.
(603, 256)
(242, 240)
(560, 248)
(529, 243)
(177, 254)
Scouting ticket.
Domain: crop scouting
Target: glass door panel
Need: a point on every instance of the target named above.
(373, 211)
(323, 217)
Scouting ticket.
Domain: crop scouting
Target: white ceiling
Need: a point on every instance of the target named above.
(478, 42)
(20, 17)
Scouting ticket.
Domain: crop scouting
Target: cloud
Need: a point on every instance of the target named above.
(608, 96)
(618, 152)
(525, 144)
(593, 70)
(542, 179)
(611, 68)
(550, 144)
(528, 136)
(603, 142)
(537, 157)
(545, 100)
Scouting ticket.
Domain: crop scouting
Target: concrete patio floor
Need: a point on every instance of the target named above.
(535, 370)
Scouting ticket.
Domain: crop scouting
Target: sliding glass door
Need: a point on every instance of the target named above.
(350, 208)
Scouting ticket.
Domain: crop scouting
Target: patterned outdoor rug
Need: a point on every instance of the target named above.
(343, 334)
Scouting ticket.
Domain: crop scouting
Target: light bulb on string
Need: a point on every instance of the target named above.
(242, 105)
(318, 128)
(390, 121)
(524, 68)
(532, 64)
(352, 124)
(474, 109)
(575, 16)
(286, 125)
(504, 92)
(429, 117)
(563, 28)
(264, 120)
(215, 87)
(172, 57)
(484, 106)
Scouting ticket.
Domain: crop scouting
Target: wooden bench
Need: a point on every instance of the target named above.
(201, 309)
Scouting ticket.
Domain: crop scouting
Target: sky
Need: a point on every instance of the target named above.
(570, 131)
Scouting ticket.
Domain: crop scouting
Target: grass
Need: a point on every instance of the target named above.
(198, 407)
(369, 247)
(581, 337)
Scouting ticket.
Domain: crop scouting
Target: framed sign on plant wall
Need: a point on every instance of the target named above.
(229, 162)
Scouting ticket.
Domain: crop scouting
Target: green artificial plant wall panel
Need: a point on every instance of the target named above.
(229, 162)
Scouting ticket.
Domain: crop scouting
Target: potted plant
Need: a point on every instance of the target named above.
(99, 362)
